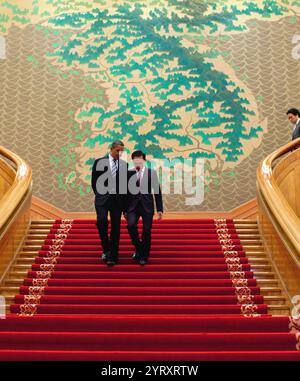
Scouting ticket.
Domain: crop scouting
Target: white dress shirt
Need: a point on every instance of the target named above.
(142, 172)
(296, 124)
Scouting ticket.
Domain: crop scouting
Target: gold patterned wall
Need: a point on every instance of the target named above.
(179, 79)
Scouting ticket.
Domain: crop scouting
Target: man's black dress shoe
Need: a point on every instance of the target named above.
(110, 261)
(142, 261)
(105, 255)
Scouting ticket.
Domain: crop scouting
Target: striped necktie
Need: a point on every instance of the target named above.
(114, 167)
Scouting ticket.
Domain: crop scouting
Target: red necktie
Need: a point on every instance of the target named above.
(139, 175)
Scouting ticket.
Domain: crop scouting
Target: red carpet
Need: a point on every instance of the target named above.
(197, 299)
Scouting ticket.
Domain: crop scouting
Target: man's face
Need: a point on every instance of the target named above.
(138, 162)
(116, 152)
(292, 118)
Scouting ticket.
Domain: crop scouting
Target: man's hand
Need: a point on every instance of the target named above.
(159, 216)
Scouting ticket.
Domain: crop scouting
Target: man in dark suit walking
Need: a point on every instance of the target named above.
(109, 183)
(294, 117)
(142, 185)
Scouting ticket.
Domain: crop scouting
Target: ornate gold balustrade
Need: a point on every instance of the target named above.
(278, 196)
(15, 201)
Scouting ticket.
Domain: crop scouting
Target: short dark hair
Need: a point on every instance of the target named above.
(138, 153)
(293, 111)
(117, 143)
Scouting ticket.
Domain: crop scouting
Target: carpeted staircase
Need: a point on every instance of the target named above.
(197, 299)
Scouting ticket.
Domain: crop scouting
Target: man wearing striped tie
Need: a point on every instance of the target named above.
(109, 183)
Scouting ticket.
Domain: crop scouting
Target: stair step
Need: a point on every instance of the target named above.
(24, 258)
(9, 299)
(31, 242)
(13, 282)
(17, 275)
(264, 275)
(255, 252)
(237, 225)
(275, 299)
(236, 221)
(249, 247)
(270, 291)
(257, 259)
(6, 288)
(244, 222)
(31, 247)
(249, 237)
(29, 254)
(271, 301)
(260, 274)
(253, 258)
(257, 265)
(278, 310)
(25, 261)
(21, 267)
(13, 286)
(267, 282)
(262, 268)
(247, 227)
(42, 221)
(36, 236)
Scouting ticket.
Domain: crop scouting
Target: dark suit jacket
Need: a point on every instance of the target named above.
(108, 185)
(296, 132)
(149, 187)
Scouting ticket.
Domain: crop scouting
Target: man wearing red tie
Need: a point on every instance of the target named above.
(143, 184)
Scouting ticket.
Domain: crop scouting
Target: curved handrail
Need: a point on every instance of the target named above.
(286, 218)
(20, 186)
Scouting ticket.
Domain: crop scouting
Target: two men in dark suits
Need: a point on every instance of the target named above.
(118, 191)
(143, 184)
(109, 183)
(294, 117)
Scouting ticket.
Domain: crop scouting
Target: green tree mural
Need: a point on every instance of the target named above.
(164, 87)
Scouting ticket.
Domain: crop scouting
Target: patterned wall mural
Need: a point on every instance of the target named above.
(176, 78)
